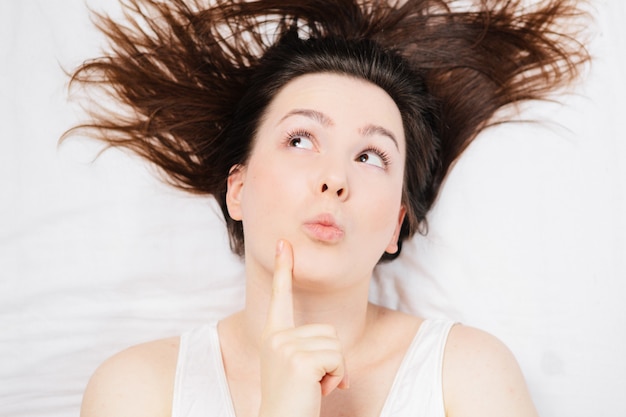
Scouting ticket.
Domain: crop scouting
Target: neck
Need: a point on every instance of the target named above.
(346, 308)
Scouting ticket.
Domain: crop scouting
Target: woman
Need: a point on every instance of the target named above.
(324, 129)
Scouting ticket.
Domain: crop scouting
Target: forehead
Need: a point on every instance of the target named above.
(345, 99)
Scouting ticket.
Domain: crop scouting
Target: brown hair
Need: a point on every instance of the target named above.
(195, 79)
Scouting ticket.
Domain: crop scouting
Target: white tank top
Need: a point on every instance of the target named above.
(201, 388)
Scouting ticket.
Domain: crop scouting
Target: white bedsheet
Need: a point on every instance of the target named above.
(527, 240)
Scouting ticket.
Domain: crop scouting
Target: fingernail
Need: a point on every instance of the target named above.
(279, 246)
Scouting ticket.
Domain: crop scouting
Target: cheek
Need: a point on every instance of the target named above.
(269, 189)
(258, 198)
(380, 211)
(386, 215)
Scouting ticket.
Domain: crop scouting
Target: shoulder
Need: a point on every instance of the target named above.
(482, 378)
(130, 382)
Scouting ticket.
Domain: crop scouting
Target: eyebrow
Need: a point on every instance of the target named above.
(319, 117)
(324, 120)
(371, 130)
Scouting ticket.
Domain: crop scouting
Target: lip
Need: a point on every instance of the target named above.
(324, 228)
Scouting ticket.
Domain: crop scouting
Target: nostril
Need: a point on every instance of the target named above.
(339, 191)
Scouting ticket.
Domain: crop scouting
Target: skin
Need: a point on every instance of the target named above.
(320, 201)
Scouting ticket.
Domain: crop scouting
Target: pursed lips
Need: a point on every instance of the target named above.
(324, 228)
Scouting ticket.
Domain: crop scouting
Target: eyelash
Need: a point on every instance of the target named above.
(296, 134)
(384, 156)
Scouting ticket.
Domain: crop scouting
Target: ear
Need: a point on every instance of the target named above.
(234, 189)
(393, 243)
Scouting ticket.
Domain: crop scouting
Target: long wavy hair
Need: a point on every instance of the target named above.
(190, 80)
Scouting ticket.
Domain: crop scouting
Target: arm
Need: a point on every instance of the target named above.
(136, 382)
(482, 378)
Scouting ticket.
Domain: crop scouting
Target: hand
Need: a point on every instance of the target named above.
(299, 365)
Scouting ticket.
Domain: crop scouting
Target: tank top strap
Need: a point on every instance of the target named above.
(200, 387)
(417, 389)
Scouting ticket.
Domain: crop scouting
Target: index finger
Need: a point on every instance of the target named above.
(280, 313)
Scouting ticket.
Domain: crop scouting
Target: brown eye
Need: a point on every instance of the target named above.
(300, 140)
(373, 157)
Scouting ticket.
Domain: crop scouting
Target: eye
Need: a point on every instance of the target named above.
(374, 157)
(300, 139)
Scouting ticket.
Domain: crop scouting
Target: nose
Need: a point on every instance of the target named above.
(340, 191)
(334, 181)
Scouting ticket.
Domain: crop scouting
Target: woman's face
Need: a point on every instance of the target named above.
(325, 173)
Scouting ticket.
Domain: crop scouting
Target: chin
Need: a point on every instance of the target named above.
(329, 270)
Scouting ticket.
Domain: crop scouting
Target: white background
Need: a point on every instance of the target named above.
(526, 241)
